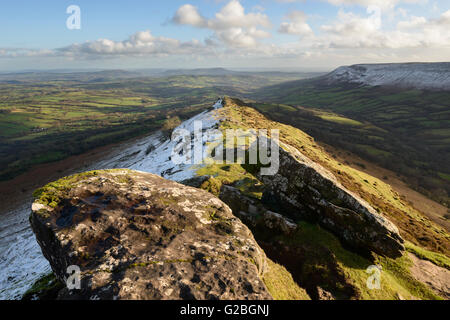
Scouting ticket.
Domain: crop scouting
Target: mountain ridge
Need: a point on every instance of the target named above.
(429, 76)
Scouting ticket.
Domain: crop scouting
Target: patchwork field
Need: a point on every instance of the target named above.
(67, 114)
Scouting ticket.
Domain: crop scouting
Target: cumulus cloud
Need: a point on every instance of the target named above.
(238, 34)
(189, 15)
(231, 25)
(297, 24)
(412, 23)
(353, 31)
(140, 43)
(233, 15)
(383, 4)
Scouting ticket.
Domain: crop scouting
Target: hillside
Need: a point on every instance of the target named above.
(422, 76)
(46, 117)
(402, 129)
(317, 219)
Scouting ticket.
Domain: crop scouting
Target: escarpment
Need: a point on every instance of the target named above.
(303, 189)
(135, 235)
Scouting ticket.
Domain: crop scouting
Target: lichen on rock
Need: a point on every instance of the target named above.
(135, 235)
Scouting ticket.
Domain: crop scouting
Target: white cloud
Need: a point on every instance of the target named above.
(353, 31)
(231, 24)
(236, 35)
(188, 14)
(297, 24)
(233, 15)
(382, 4)
(140, 43)
(413, 22)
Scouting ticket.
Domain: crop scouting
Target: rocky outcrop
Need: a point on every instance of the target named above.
(305, 190)
(254, 214)
(136, 235)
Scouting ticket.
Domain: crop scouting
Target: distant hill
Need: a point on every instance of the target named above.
(112, 75)
(89, 76)
(433, 76)
(198, 72)
(226, 72)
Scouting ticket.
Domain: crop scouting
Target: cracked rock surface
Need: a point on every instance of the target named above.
(306, 190)
(137, 236)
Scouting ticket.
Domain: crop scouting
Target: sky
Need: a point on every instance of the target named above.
(236, 34)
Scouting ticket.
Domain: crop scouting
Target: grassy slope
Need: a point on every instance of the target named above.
(280, 284)
(396, 279)
(406, 131)
(414, 226)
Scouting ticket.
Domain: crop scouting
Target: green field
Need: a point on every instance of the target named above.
(62, 115)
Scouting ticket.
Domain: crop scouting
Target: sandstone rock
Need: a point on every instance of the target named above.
(255, 214)
(324, 295)
(304, 189)
(138, 236)
(196, 181)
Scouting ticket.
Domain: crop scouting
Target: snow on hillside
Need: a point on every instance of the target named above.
(432, 76)
(22, 262)
(153, 154)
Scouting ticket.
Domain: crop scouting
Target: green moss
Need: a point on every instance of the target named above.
(212, 185)
(125, 179)
(50, 195)
(437, 258)
(151, 263)
(281, 285)
(396, 277)
(221, 224)
(230, 174)
(45, 288)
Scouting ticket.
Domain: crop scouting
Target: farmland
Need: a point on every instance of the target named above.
(48, 120)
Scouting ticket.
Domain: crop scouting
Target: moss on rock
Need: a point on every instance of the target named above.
(45, 288)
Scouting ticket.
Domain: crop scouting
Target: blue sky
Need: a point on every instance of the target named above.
(298, 34)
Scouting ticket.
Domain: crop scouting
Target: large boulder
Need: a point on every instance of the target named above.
(304, 189)
(135, 235)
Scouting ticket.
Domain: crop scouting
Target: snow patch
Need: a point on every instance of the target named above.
(153, 154)
(430, 76)
(21, 259)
